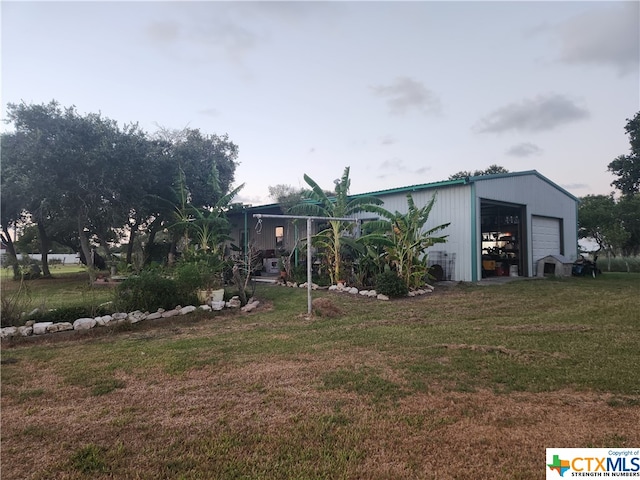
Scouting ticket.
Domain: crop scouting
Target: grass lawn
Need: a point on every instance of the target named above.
(468, 382)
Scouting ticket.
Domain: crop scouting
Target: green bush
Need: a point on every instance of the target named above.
(390, 284)
(188, 278)
(149, 291)
(69, 314)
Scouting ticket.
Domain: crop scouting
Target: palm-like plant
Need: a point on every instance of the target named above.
(407, 242)
(320, 204)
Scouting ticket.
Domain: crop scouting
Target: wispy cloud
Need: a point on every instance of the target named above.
(575, 186)
(608, 36)
(524, 149)
(405, 94)
(544, 112)
(388, 140)
(210, 112)
(395, 166)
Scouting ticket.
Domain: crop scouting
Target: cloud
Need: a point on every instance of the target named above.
(202, 31)
(544, 112)
(388, 140)
(605, 36)
(574, 186)
(210, 112)
(393, 164)
(406, 94)
(524, 149)
(397, 166)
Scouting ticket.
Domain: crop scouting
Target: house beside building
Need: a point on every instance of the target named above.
(500, 224)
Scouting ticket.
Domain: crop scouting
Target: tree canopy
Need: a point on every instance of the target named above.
(86, 182)
(627, 167)
(490, 170)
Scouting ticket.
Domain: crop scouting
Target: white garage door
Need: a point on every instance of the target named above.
(545, 238)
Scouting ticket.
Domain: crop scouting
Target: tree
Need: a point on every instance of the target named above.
(287, 196)
(12, 199)
(598, 219)
(628, 213)
(627, 167)
(490, 170)
(331, 239)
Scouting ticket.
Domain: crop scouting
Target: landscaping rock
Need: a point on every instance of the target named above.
(170, 313)
(217, 305)
(155, 315)
(119, 316)
(84, 323)
(364, 292)
(137, 316)
(104, 320)
(59, 327)
(382, 297)
(29, 323)
(187, 309)
(40, 328)
(25, 331)
(234, 302)
(372, 293)
(333, 287)
(7, 332)
(353, 291)
(206, 308)
(250, 306)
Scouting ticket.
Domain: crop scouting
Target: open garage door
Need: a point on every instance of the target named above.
(545, 238)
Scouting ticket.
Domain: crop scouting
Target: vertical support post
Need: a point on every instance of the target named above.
(309, 266)
(246, 243)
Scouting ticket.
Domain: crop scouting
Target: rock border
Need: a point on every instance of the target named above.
(33, 328)
(343, 288)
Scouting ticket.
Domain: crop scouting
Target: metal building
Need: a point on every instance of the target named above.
(499, 224)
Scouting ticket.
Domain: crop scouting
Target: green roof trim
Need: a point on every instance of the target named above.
(415, 188)
(441, 184)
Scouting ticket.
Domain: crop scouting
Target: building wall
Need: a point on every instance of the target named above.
(541, 198)
(453, 205)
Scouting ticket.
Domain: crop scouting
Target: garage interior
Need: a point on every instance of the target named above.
(502, 239)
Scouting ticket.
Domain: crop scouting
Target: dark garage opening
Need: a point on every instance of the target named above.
(502, 239)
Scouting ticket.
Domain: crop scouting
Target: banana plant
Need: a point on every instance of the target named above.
(320, 204)
(405, 240)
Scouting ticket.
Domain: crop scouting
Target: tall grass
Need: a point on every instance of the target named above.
(619, 264)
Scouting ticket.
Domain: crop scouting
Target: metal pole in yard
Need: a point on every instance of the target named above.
(309, 220)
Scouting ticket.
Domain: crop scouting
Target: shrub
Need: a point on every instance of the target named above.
(390, 284)
(188, 278)
(13, 304)
(69, 314)
(148, 291)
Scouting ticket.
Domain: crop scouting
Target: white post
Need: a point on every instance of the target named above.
(309, 267)
(309, 220)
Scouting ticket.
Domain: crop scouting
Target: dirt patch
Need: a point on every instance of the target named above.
(325, 307)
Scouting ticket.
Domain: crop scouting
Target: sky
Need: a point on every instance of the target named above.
(403, 93)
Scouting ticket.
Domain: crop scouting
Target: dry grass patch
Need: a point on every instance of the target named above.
(426, 388)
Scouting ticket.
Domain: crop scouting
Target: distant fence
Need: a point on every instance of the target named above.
(63, 258)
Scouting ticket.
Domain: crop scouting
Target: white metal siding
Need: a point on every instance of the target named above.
(453, 205)
(540, 199)
(545, 238)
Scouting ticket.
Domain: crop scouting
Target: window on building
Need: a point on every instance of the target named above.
(279, 237)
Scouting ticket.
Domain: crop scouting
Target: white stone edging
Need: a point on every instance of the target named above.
(32, 328)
